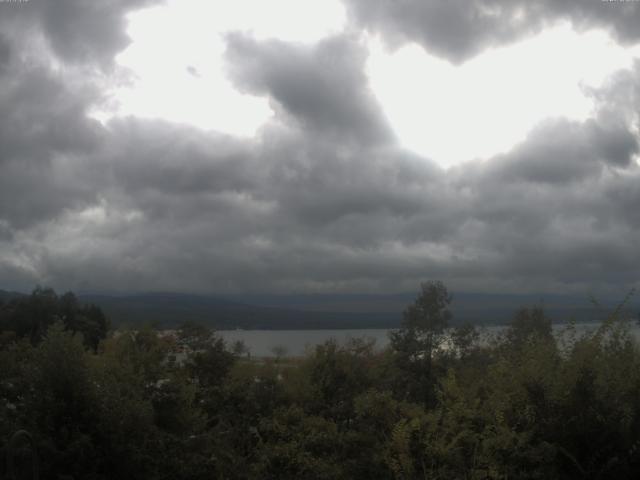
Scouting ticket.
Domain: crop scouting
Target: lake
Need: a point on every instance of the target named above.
(297, 342)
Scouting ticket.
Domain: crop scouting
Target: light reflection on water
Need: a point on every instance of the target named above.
(297, 342)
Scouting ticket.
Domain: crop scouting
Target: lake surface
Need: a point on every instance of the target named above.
(297, 342)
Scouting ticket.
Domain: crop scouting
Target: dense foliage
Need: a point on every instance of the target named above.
(437, 404)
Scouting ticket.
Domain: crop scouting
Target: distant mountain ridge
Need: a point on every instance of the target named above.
(170, 309)
(476, 308)
(5, 296)
(325, 311)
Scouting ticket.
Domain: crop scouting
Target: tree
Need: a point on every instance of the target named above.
(30, 317)
(239, 348)
(64, 406)
(529, 325)
(209, 360)
(464, 338)
(195, 336)
(279, 351)
(336, 375)
(421, 335)
(85, 319)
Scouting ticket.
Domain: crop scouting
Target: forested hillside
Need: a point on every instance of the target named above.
(437, 404)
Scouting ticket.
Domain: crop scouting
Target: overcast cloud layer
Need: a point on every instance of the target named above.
(459, 29)
(323, 199)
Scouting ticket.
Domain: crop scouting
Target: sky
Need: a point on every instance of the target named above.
(320, 146)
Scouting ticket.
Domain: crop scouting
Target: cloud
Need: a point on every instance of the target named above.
(45, 136)
(5, 53)
(320, 87)
(49, 52)
(323, 198)
(76, 30)
(459, 29)
(560, 151)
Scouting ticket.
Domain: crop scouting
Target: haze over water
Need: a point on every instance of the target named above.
(298, 342)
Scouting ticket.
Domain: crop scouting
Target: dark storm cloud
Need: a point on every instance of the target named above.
(77, 30)
(47, 140)
(321, 199)
(48, 82)
(326, 181)
(174, 159)
(43, 115)
(305, 205)
(44, 134)
(294, 211)
(560, 151)
(459, 29)
(558, 207)
(5, 53)
(323, 87)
